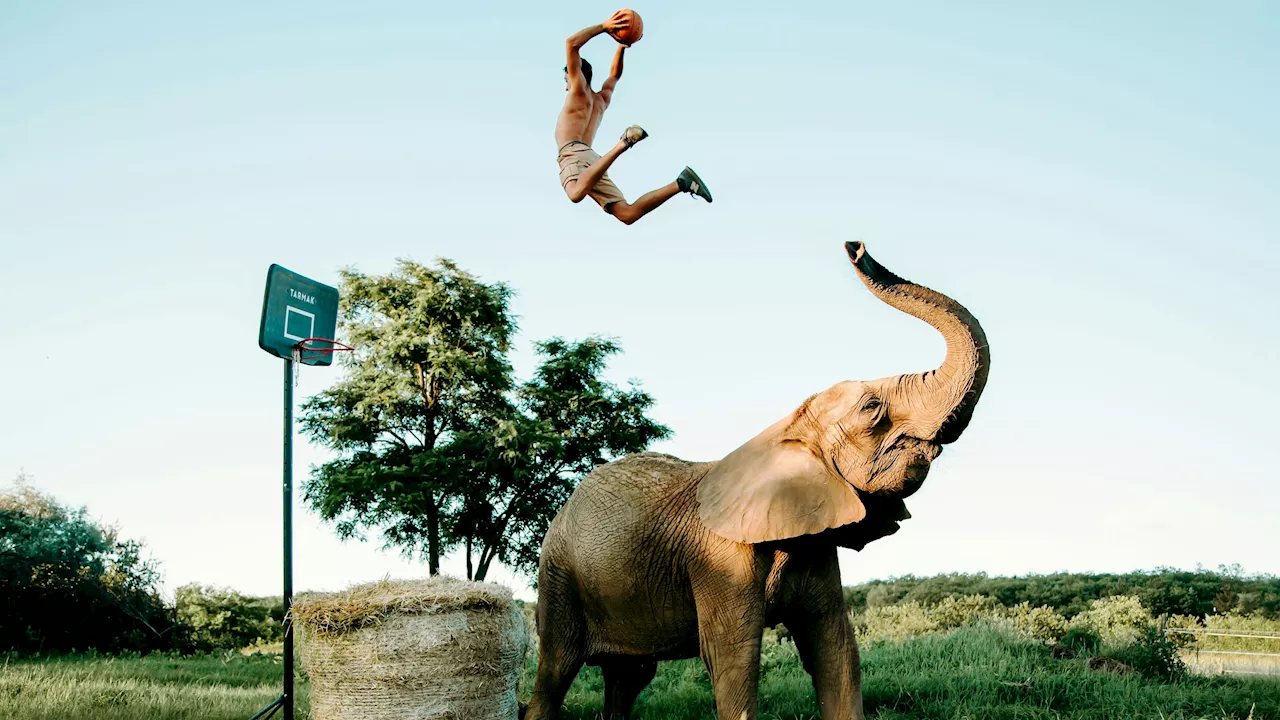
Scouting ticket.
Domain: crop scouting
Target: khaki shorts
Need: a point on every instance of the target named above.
(577, 156)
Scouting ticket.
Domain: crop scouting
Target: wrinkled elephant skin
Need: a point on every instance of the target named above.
(656, 558)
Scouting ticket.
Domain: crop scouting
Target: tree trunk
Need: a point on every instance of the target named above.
(429, 437)
(433, 535)
(486, 557)
(469, 573)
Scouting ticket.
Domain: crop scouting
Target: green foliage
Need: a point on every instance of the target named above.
(431, 357)
(895, 622)
(1163, 591)
(1039, 623)
(67, 582)
(911, 619)
(1117, 620)
(216, 618)
(518, 469)
(954, 612)
(439, 446)
(1253, 632)
(1152, 655)
(1082, 642)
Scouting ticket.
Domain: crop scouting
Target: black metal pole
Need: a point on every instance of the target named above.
(288, 538)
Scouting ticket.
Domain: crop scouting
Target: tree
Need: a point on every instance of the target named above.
(431, 355)
(438, 448)
(519, 470)
(68, 582)
(217, 618)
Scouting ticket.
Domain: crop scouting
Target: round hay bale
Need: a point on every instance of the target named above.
(431, 649)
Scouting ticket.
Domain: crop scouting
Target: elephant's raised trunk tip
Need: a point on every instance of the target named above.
(855, 250)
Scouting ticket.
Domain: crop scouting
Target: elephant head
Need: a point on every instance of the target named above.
(857, 445)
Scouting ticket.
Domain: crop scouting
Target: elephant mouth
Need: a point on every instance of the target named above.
(902, 468)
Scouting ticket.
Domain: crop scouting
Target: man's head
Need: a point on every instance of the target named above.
(586, 72)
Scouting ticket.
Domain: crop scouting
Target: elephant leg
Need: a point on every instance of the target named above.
(829, 651)
(561, 651)
(729, 636)
(556, 670)
(624, 680)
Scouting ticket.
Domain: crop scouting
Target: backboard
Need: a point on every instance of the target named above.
(295, 308)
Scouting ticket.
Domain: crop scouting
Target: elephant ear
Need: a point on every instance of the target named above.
(770, 490)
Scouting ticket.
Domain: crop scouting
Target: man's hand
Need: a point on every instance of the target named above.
(616, 23)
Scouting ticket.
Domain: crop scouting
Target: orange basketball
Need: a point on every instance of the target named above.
(633, 32)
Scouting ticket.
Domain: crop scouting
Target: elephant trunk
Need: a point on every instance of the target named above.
(944, 398)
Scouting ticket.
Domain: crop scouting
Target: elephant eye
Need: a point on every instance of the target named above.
(871, 404)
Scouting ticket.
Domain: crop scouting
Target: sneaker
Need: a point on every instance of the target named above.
(690, 182)
(633, 135)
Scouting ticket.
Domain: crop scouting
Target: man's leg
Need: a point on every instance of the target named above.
(631, 212)
(580, 186)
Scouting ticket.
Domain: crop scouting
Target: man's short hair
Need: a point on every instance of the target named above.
(586, 69)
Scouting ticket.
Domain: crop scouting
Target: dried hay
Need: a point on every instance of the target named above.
(432, 649)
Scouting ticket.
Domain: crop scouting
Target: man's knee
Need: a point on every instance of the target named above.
(575, 191)
(624, 211)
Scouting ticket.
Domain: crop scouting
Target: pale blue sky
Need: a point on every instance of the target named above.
(1097, 184)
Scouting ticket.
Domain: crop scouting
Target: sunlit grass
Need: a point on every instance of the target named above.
(971, 673)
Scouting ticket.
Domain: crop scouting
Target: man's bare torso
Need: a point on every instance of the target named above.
(580, 117)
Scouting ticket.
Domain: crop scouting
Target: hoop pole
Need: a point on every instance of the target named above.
(287, 698)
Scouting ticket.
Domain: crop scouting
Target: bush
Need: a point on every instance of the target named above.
(1038, 623)
(222, 619)
(67, 582)
(1118, 620)
(1163, 591)
(954, 612)
(1152, 655)
(895, 622)
(1082, 642)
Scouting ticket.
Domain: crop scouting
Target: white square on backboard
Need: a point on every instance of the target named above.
(311, 323)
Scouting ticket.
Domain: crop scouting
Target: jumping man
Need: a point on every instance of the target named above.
(582, 170)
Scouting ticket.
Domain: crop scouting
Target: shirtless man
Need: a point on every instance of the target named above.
(582, 170)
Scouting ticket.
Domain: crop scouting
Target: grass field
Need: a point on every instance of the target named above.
(972, 673)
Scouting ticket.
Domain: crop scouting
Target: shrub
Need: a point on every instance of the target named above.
(1118, 620)
(895, 622)
(1152, 655)
(954, 612)
(1082, 642)
(222, 619)
(1038, 623)
(69, 582)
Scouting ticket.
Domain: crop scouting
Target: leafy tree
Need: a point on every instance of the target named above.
(430, 357)
(67, 582)
(439, 448)
(216, 618)
(519, 469)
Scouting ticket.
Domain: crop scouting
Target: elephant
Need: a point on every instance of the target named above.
(655, 558)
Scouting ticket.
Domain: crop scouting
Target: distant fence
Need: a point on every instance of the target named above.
(1203, 660)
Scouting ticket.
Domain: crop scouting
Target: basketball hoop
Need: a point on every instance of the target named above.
(306, 351)
(309, 349)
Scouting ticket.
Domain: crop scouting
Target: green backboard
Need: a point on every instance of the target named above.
(295, 308)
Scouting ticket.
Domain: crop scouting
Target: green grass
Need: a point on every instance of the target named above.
(96, 687)
(971, 673)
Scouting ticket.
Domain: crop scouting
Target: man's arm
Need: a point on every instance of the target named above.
(573, 47)
(615, 74)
